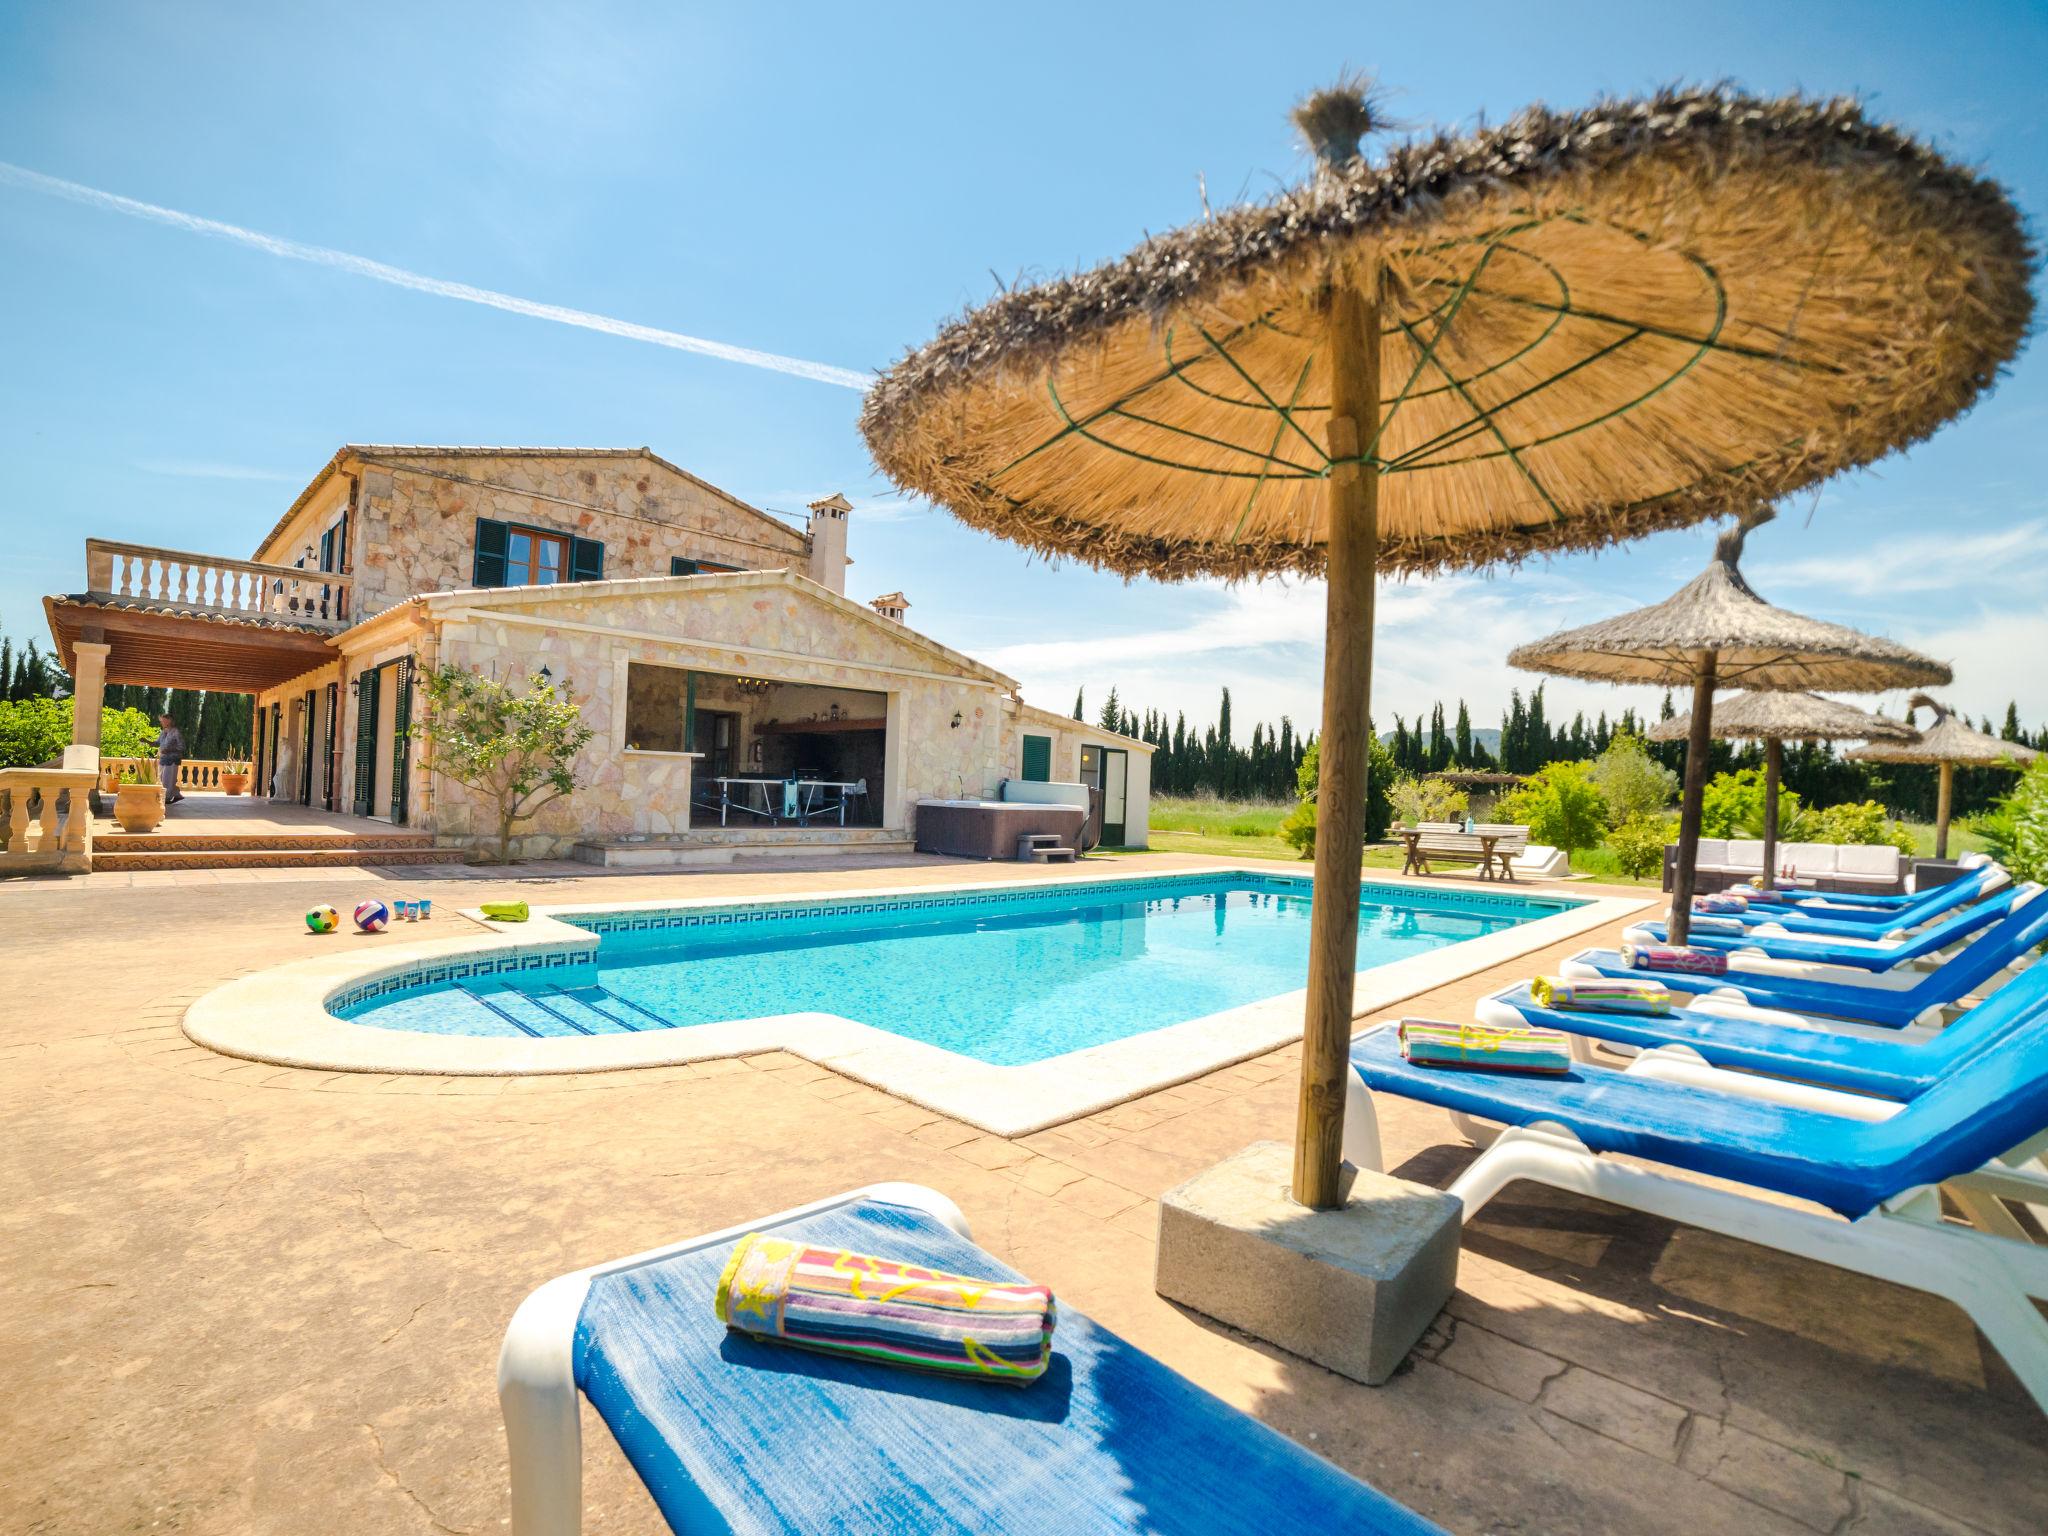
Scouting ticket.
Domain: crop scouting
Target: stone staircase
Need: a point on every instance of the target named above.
(281, 850)
(721, 845)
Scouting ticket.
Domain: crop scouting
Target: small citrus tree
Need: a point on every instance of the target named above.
(1560, 805)
(515, 750)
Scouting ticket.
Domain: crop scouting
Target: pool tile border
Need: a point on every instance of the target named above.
(283, 1015)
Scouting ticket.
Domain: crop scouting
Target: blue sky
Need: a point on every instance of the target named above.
(828, 184)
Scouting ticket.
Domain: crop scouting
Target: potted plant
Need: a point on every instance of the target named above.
(110, 776)
(234, 778)
(139, 801)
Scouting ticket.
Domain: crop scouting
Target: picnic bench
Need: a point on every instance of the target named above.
(1493, 846)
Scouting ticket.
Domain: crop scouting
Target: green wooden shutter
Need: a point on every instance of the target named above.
(586, 560)
(366, 741)
(306, 768)
(401, 741)
(491, 538)
(679, 566)
(330, 770)
(1038, 758)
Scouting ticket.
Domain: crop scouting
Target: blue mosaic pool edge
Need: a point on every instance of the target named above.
(735, 914)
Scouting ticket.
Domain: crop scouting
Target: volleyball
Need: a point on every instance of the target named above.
(372, 915)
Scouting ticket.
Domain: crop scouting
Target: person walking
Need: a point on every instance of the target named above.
(170, 752)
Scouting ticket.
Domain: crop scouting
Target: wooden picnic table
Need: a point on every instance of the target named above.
(1481, 848)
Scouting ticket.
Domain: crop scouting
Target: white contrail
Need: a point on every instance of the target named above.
(398, 277)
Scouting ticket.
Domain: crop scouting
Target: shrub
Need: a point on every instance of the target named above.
(1298, 831)
(1381, 777)
(1419, 800)
(1246, 829)
(1560, 805)
(1638, 844)
(1632, 782)
(1861, 821)
(36, 731)
(1733, 806)
(2015, 831)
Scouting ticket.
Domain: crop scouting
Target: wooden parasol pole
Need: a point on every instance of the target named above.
(1696, 744)
(1774, 770)
(1352, 321)
(1941, 809)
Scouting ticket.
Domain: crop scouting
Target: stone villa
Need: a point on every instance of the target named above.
(711, 645)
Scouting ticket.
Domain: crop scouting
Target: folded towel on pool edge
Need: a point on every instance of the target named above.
(1727, 901)
(505, 911)
(1604, 994)
(876, 1309)
(1433, 1043)
(1695, 962)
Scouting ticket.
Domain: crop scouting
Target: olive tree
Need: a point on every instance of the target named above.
(516, 751)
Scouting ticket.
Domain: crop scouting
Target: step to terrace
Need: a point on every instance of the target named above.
(309, 850)
(721, 845)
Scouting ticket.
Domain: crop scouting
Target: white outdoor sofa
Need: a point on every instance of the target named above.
(1873, 869)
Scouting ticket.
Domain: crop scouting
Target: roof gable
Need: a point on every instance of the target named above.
(930, 653)
(394, 455)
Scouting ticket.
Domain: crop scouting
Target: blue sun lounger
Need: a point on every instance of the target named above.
(1855, 923)
(1889, 1066)
(2015, 936)
(1976, 1134)
(1875, 903)
(730, 1434)
(1715, 933)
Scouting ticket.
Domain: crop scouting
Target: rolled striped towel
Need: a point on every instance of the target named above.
(1604, 994)
(1727, 901)
(876, 1309)
(1433, 1043)
(1656, 957)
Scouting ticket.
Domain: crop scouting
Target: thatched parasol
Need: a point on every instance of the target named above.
(1715, 630)
(1951, 743)
(1774, 719)
(1566, 330)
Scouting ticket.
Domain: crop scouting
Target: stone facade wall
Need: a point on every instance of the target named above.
(416, 524)
(769, 630)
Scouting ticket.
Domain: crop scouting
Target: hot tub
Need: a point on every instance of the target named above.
(989, 829)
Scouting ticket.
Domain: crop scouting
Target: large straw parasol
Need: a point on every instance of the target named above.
(1551, 334)
(1716, 630)
(1951, 743)
(1774, 719)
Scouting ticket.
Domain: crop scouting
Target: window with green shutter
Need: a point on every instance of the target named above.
(401, 739)
(1037, 759)
(488, 569)
(366, 742)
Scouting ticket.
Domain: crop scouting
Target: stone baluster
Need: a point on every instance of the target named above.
(17, 821)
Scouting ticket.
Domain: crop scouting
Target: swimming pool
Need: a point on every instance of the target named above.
(1007, 977)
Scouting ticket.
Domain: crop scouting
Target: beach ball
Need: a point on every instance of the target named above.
(372, 915)
(323, 919)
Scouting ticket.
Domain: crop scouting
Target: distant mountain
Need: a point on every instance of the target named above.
(1487, 736)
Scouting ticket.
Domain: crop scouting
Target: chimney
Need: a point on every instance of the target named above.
(891, 605)
(828, 542)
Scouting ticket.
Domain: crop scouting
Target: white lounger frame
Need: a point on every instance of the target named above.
(1990, 1269)
(536, 1370)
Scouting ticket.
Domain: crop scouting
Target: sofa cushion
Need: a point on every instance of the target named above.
(1747, 853)
(1868, 859)
(1713, 850)
(1809, 858)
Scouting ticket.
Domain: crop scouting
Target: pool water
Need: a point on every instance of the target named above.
(1005, 977)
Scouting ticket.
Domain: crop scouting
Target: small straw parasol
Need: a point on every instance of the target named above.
(1952, 744)
(1715, 630)
(1774, 719)
(1565, 330)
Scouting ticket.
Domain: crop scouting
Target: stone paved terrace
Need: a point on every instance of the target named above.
(250, 1299)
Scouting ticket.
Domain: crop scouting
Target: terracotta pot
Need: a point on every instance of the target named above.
(110, 781)
(139, 807)
(233, 783)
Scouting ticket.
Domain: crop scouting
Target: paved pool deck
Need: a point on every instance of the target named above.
(250, 1298)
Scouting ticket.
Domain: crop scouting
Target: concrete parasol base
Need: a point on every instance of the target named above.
(1351, 1289)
